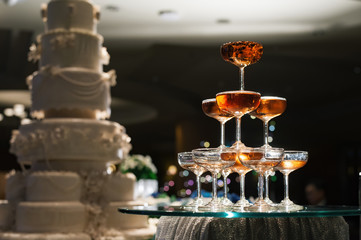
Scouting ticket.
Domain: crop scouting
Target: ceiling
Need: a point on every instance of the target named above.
(166, 54)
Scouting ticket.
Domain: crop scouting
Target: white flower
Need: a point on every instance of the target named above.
(138, 161)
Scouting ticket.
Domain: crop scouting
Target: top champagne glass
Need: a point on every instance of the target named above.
(241, 54)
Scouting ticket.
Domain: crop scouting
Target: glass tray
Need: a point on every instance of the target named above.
(309, 211)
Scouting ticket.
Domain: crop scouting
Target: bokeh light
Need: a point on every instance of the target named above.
(172, 170)
(9, 112)
(220, 183)
(208, 178)
(190, 182)
(228, 181)
(274, 178)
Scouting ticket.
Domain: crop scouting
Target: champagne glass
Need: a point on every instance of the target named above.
(238, 103)
(186, 161)
(210, 159)
(269, 108)
(261, 160)
(238, 167)
(211, 109)
(241, 54)
(293, 160)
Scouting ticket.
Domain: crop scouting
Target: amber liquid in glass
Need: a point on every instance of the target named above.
(241, 53)
(291, 165)
(238, 103)
(256, 161)
(269, 108)
(211, 109)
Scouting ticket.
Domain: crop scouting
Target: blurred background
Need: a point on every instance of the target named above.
(166, 55)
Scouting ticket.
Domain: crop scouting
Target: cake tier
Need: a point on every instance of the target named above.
(70, 92)
(121, 221)
(44, 236)
(6, 215)
(15, 186)
(61, 217)
(119, 187)
(53, 186)
(70, 141)
(70, 14)
(62, 48)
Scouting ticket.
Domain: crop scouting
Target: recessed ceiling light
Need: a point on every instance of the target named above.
(223, 21)
(112, 8)
(169, 15)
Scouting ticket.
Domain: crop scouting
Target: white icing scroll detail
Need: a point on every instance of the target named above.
(105, 57)
(63, 41)
(96, 13)
(44, 12)
(34, 53)
(110, 76)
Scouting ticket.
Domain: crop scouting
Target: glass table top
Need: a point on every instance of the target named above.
(308, 211)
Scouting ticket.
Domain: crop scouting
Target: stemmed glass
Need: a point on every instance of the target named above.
(292, 160)
(238, 103)
(241, 54)
(185, 160)
(238, 167)
(260, 160)
(269, 108)
(211, 109)
(210, 159)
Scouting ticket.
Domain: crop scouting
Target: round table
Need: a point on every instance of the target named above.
(314, 222)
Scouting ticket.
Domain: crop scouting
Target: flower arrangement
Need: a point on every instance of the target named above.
(141, 166)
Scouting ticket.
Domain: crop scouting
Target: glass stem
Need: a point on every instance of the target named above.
(214, 187)
(285, 178)
(222, 134)
(242, 194)
(260, 185)
(225, 186)
(266, 187)
(238, 133)
(198, 187)
(241, 78)
(265, 132)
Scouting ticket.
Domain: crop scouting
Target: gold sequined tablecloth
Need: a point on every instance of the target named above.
(208, 228)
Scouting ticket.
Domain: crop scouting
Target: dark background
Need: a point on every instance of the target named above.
(319, 75)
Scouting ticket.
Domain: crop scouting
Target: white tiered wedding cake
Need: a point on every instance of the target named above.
(66, 193)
